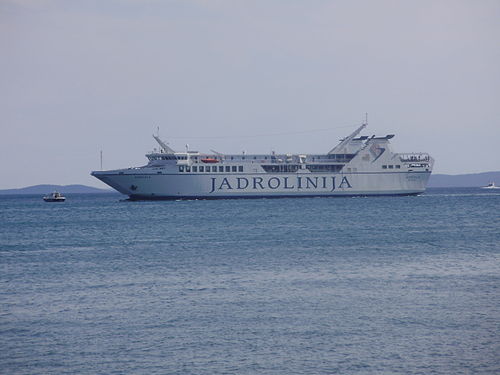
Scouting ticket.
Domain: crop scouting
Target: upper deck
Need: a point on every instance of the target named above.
(352, 154)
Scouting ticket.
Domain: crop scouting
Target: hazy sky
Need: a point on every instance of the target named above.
(80, 76)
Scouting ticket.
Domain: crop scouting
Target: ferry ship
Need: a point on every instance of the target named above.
(357, 166)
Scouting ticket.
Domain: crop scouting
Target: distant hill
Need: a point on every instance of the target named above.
(64, 189)
(464, 180)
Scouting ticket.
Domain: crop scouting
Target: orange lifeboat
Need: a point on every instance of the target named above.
(209, 160)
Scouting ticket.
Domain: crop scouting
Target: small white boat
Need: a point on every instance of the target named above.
(54, 197)
(491, 185)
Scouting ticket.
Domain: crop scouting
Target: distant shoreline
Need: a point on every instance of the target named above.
(47, 188)
(463, 180)
(469, 180)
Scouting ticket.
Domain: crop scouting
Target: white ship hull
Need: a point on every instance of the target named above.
(356, 167)
(189, 186)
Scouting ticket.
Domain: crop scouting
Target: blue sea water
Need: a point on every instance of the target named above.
(380, 285)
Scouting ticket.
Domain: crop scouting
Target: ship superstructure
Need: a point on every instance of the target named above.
(358, 165)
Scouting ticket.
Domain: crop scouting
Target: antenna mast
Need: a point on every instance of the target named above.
(101, 160)
(366, 118)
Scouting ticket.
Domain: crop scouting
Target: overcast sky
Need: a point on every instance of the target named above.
(80, 76)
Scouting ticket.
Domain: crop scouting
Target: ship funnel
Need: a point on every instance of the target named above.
(345, 141)
(163, 145)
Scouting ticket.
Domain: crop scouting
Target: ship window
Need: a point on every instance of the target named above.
(384, 167)
(287, 168)
(234, 168)
(255, 157)
(232, 157)
(391, 166)
(398, 166)
(195, 168)
(181, 168)
(228, 168)
(202, 168)
(265, 157)
(324, 167)
(221, 168)
(188, 169)
(240, 168)
(214, 169)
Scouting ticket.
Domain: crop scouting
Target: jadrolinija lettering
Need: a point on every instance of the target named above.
(322, 183)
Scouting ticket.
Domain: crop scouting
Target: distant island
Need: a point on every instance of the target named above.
(436, 181)
(63, 189)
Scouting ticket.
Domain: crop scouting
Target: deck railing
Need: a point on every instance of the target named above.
(414, 157)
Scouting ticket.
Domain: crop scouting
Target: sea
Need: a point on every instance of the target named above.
(366, 285)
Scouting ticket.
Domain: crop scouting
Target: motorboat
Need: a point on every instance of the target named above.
(491, 185)
(54, 197)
